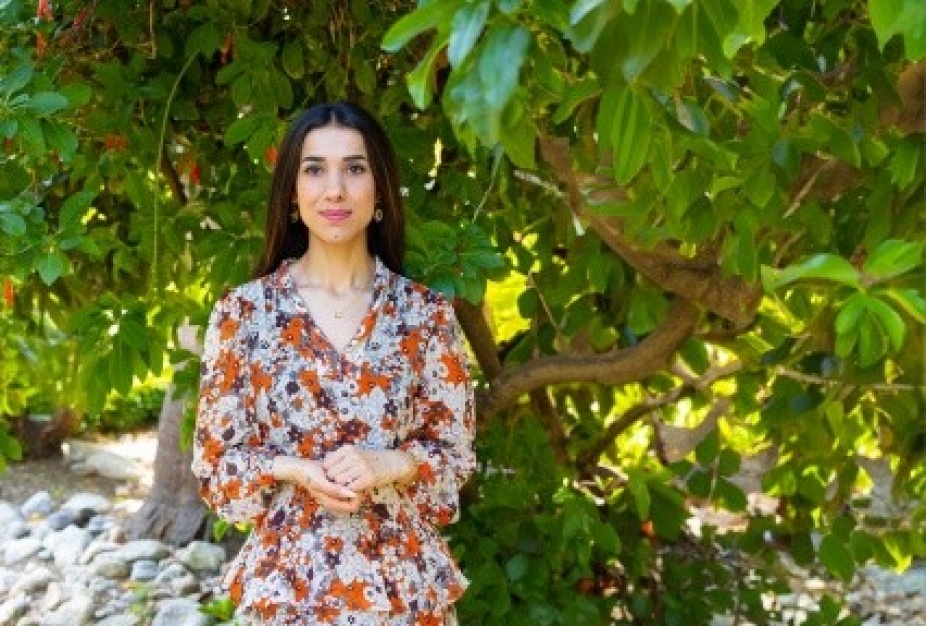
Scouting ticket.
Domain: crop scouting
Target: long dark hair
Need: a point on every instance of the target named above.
(285, 238)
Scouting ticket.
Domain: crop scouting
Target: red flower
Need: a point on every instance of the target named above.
(271, 155)
(9, 294)
(115, 142)
(227, 48)
(44, 11)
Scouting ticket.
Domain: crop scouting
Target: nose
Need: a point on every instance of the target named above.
(334, 185)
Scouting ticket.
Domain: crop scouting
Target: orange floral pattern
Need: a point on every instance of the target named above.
(272, 383)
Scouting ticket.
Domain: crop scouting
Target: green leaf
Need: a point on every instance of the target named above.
(575, 95)
(419, 79)
(75, 207)
(241, 129)
(12, 224)
(728, 463)
(884, 15)
(910, 301)
(890, 321)
(500, 63)
(468, 22)
(60, 138)
(708, 449)
(836, 557)
(45, 103)
(422, 19)
(78, 94)
(630, 134)
(51, 266)
(870, 342)
(640, 492)
(292, 59)
(204, 40)
(730, 495)
(850, 313)
(16, 80)
(33, 138)
(893, 258)
(516, 567)
(820, 266)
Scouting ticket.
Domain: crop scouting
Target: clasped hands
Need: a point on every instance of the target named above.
(339, 479)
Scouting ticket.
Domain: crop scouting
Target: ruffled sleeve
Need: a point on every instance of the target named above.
(441, 441)
(230, 460)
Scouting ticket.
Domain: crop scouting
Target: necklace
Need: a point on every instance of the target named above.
(344, 306)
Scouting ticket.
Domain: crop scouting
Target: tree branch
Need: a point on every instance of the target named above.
(699, 279)
(614, 368)
(637, 412)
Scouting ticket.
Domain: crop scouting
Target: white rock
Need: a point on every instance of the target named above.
(172, 571)
(8, 513)
(110, 565)
(13, 608)
(120, 620)
(144, 549)
(13, 529)
(201, 556)
(54, 596)
(67, 545)
(184, 585)
(114, 466)
(77, 611)
(33, 581)
(95, 548)
(180, 612)
(20, 550)
(143, 571)
(38, 505)
(93, 501)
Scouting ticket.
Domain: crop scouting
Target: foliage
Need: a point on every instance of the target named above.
(679, 214)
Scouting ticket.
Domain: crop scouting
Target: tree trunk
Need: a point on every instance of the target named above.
(173, 511)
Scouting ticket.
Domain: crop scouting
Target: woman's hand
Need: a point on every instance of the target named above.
(359, 469)
(311, 476)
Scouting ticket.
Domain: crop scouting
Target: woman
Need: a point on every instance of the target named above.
(335, 409)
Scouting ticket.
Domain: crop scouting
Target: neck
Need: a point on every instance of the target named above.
(335, 268)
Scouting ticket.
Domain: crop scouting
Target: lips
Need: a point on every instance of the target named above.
(335, 215)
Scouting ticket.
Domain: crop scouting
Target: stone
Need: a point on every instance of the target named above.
(54, 596)
(110, 565)
(13, 608)
(120, 620)
(13, 529)
(180, 612)
(144, 549)
(172, 571)
(59, 520)
(114, 466)
(38, 505)
(76, 611)
(201, 556)
(20, 550)
(67, 545)
(33, 581)
(184, 585)
(8, 513)
(93, 501)
(143, 571)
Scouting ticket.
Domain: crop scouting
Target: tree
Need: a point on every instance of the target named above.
(653, 215)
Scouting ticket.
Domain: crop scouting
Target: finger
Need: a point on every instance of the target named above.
(333, 490)
(337, 504)
(339, 455)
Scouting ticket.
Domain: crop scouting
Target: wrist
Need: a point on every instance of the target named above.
(400, 467)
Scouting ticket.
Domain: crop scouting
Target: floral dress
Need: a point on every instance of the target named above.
(271, 384)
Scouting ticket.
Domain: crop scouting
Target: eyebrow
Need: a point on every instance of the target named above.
(320, 159)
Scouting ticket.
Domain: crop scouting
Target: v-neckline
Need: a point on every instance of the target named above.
(363, 327)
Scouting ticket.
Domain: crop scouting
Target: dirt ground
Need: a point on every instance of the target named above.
(21, 479)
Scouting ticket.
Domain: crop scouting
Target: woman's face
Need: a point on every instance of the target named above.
(334, 187)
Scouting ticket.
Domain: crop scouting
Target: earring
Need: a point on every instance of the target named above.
(378, 214)
(294, 213)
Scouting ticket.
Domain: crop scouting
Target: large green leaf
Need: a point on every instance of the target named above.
(837, 558)
(500, 63)
(631, 131)
(424, 18)
(893, 258)
(468, 22)
(828, 267)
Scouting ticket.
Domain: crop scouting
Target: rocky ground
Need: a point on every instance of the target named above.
(65, 559)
